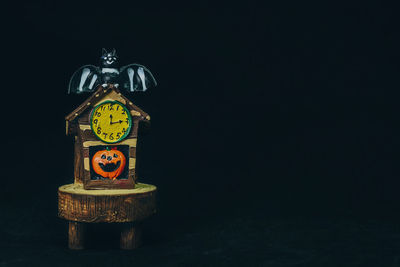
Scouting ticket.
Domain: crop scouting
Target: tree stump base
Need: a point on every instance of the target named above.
(128, 206)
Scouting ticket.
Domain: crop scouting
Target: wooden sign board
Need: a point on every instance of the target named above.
(105, 127)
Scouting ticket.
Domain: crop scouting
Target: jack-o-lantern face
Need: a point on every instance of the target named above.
(109, 163)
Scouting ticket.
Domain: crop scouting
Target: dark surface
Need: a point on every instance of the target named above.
(274, 136)
(226, 241)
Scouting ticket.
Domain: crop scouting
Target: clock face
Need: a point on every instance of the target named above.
(110, 121)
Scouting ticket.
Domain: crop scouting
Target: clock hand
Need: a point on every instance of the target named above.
(113, 122)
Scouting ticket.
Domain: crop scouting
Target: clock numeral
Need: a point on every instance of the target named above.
(118, 115)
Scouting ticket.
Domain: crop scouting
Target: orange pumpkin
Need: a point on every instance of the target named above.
(109, 163)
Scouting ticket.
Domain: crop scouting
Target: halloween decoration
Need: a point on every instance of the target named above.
(109, 163)
(130, 78)
(105, 132)
(110, 121)
(107, 116)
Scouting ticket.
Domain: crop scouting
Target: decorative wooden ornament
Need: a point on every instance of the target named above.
(130, 207)
(105, 114)
(105, 128)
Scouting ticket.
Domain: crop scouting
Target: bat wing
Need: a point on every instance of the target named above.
(84, 80)
(135, 77)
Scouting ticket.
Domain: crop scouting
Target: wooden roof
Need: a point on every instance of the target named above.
(101, 91)
(94, 99)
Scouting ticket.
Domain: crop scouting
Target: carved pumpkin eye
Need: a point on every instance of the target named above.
(103, 156)
(115, 156)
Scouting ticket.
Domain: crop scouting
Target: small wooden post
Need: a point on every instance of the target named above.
(131, 236)
(78, 166)
(76, 234)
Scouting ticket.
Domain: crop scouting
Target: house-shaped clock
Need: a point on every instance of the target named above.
(105, 128)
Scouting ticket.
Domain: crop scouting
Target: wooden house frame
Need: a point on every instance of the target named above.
(78, 125)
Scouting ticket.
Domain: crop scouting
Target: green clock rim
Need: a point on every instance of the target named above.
(129, 118)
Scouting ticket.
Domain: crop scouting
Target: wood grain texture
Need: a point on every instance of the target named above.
(85, 152)
(132, 152)
(71, 128)
(132, 163)
(76, 234)
(112, 95)
(104, 184)
(102, 94)
(84, 118)
(131, 236)
(110, 184)
(119, 205)
(88, 135)
(130, 142)
(86, 104)
(78, 162)
(86, 164)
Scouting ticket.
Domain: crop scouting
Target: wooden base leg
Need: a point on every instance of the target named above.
(131, 236)
(76, 234)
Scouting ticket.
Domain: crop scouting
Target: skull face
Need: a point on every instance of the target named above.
(109, 59)
(109, 163)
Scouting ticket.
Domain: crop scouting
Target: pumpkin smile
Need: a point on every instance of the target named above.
(109, 167)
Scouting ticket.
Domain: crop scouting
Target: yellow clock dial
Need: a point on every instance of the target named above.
(110, 121)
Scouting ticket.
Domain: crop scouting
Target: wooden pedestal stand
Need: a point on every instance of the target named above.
(128, 206)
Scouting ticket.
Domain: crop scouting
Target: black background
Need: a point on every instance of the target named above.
(274, 135)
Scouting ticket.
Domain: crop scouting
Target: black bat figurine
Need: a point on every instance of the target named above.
(131, 78)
